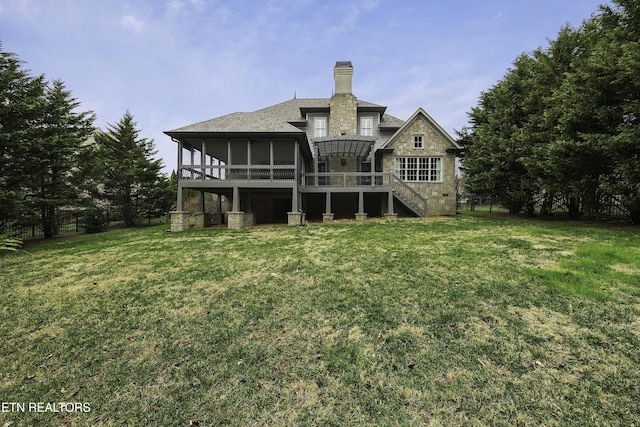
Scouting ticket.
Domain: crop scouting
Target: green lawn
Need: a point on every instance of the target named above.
(472, 320)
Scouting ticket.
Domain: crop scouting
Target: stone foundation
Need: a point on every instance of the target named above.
(391, 216)
(294, 218)
(327, 217)
(179, 221)
(361, 216)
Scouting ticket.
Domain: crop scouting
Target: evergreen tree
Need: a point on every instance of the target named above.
(51, 174)
(624, 180)
(497, 162)
(130, 175)
(21, 98)
(564, 123)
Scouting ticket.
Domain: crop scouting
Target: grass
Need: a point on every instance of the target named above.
(447, 321)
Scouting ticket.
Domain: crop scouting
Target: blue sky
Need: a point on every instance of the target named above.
(176, 62)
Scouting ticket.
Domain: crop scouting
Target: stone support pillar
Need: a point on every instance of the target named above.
(235, 220)
(294, 218)
(327, 216)
(179, 221)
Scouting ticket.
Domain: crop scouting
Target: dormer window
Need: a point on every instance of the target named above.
(320, 127)
(366, 126)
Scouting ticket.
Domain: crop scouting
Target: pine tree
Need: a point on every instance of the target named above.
(20, 106)
(130, 175)
(52, 162)
(563, 124)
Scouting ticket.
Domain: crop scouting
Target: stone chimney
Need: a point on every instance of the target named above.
(342, 73)
(343, 119)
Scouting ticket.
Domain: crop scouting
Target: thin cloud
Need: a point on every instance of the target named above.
(352, 15)
(132, 23)
(22, 8)
(185, 6)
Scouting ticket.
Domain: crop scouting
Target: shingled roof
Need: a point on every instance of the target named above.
(279, 118)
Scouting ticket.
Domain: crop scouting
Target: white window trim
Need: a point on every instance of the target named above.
(369, 119)
(419, 168)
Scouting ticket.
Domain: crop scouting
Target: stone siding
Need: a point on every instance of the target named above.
(350, 166)
(179, 221)
(441, 196)
(235, 220)
(344, 115)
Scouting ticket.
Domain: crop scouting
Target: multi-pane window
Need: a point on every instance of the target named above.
(420, 169)
(320, 127)
(417, 141)
(366, 126)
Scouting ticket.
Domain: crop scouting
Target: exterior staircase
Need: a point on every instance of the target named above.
(408, 196)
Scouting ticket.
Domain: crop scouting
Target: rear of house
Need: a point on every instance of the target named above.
(330, 158)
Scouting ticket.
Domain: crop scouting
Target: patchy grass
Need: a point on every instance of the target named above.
(440, 322)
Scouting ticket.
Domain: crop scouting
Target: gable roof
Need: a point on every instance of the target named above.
(420, 113)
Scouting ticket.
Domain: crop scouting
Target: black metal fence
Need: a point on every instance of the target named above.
(609, 208)
(29, 227)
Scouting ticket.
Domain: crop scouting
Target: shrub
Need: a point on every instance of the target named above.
(94, 220)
